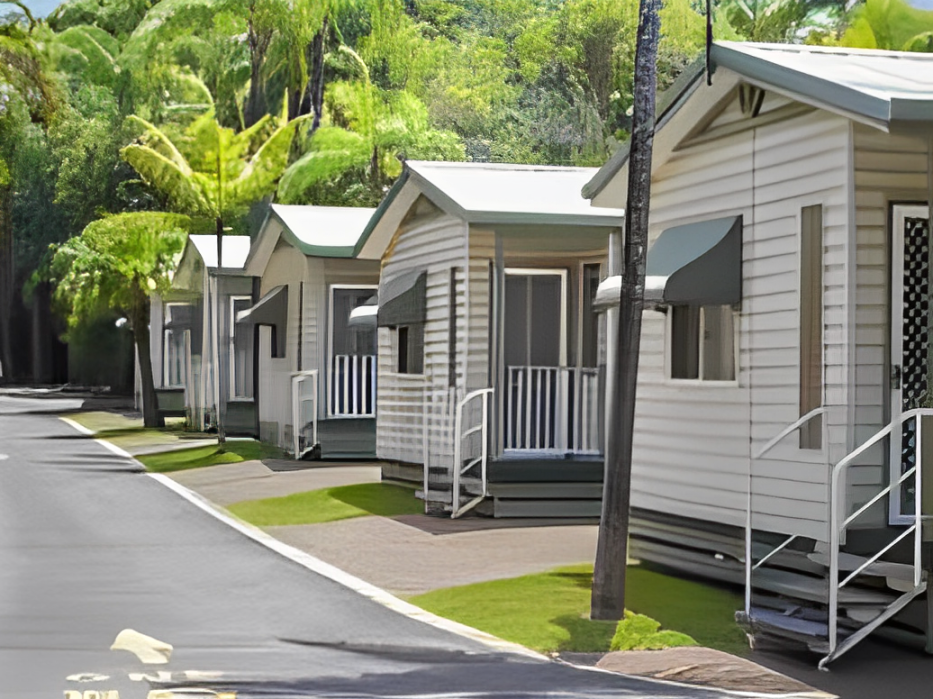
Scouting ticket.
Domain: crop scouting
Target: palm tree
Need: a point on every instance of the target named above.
(370, 132)
(113, 264)
(211, 172)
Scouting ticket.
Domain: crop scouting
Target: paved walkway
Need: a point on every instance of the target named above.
(406, 555)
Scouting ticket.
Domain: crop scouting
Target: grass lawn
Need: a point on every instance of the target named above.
(330, 504)
(232, 452)
(549, 611)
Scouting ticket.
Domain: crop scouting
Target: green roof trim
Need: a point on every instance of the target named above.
(342, 251)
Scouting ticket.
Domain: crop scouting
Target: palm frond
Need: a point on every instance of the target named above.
(166, 176)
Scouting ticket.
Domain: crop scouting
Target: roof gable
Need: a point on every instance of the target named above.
(880, 88)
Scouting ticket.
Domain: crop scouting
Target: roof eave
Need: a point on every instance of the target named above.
(543, 219)
(380, 211)
(669, 103)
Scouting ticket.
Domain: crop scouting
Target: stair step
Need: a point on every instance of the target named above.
(812, 589)
(767, 622)
(884, 569)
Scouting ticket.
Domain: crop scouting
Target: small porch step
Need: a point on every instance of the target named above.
(884, 569)
(809, 632)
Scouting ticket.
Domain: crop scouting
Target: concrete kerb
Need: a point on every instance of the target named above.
(387, 599)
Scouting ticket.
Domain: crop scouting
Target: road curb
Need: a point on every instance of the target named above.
(318, 566)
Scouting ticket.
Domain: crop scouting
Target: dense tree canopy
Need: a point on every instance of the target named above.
(375, 82)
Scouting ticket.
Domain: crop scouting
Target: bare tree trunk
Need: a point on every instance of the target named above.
(608, 596)
(140, 320)
(258, 41)
(7, 268)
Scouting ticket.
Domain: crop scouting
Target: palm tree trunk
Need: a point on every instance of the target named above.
(608, 594)
(140, 321)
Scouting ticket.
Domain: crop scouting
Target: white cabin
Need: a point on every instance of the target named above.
(201, 364)
(490, 367)
(317, 372)
(821, 161)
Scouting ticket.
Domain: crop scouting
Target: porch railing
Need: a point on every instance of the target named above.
(353, 385)
(552, 409)
(304, 411)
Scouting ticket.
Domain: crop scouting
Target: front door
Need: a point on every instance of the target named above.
(534, 350)
(910, 341)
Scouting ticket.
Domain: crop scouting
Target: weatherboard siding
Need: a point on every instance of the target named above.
(286, 267)
(888, 169)
(694, 440)
(435, 242)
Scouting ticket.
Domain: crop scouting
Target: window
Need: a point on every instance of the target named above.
(811, 323)
(702, 343)
(173, 347)
(241, 350)
(410, 344)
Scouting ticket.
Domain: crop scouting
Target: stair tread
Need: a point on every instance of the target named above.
(814, 589)
(849, 562)
(804, 627)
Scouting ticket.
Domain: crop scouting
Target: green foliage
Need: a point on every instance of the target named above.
(113, 260)
(116, 17)
(370, 132)
(889, 24)
(329, 505)
(212, 171)
(638, 632)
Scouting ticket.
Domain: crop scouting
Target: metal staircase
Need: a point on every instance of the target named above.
(456, 451)
(817, 593)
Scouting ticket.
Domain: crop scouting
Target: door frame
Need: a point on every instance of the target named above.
(899, 214)
(543, 271)
(329, 350)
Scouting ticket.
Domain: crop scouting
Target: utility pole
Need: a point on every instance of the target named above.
(608, 596)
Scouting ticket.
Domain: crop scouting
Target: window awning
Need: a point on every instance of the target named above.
(699, 264)
(403, 300)
(271, 310)
(364, 316)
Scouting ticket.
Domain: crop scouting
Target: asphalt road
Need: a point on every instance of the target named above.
(90, 545)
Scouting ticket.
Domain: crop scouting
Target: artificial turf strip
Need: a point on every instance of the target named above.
(550, 611)
(330, 504)
(233, 451)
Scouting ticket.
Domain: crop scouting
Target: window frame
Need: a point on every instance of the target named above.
(231, 349)
(397, 348)
(166, 373)
(700, 381)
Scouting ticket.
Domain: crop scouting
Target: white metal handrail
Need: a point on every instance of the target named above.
(459, 469)
(750, 565)
(838, 528)
(299, 399)
(552, 409)
(353, 385)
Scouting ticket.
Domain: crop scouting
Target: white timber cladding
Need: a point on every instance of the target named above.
(435, 242)
(889, 169)
(693, 441)
(287, 267)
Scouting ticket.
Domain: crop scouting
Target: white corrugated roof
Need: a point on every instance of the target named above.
(898, 80)
(490, 191)
(235, 250)
(324, 227)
